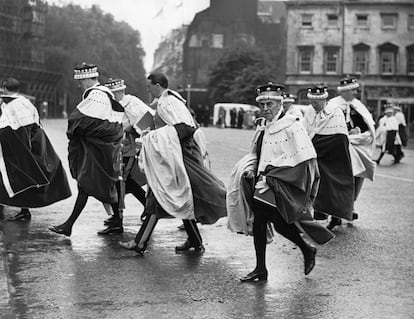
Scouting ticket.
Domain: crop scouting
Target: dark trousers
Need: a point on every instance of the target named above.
(262, 215)
(148, 226)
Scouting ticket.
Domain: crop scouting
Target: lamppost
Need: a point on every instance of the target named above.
(189, 95)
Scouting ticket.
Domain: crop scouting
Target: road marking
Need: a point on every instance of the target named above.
(396, 178)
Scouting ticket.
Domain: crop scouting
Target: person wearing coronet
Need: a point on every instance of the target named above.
(94, 152)
(179, 184)
(361, 132)
(137, 118)
(31, 172)
(329, 134)
(276, 183)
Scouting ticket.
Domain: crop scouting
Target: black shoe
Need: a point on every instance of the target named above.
(24, 215)
(140, 250)
(354, 216)
(334, 222)
(255, 276)
(188, 246)
(111, 230)
(319, 215)
(61, 229)
(309, 259)
(109, 221)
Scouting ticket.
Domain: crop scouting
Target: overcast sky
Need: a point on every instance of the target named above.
(152, 18)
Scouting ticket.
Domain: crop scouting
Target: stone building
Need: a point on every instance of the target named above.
(22, 34)
(371, 39)
(168, 57)
(223, 25)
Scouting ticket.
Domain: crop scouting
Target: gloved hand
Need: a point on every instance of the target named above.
(261, 185)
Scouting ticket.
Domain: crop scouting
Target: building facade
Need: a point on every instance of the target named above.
(223, 25)
(373, 40)
(168, 57)
(22, 36)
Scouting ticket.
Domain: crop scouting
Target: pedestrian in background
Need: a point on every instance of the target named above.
(361, 132)
(31, 172)
(240, 118)
(278, 180)
(329, 134)
(402, 129)
(387, 137)
(233, 117)
(94, 152)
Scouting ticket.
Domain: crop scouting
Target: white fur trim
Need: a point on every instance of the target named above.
(269, 97)
(317, 97)
(350, 86)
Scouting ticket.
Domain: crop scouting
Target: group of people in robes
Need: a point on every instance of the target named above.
(303, 165)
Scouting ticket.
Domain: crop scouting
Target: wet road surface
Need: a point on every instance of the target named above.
(365, 272)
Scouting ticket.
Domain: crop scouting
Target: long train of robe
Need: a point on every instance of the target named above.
(95, 155)
(208, 192)
(31, 172)
(336, 188)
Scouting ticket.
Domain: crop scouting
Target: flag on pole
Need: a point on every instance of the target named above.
(159, 13)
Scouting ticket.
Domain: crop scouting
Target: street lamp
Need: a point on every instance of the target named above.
(189, 95)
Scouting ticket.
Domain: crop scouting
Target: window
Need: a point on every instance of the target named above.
(305, 59)
(194, 41)
(331, 59)
(218, 41)
(387, 62)
(389, 20)
(410, 59)
(306, 21)
(362, 20)
(410, 22)
(388, 55)
(332, 20)
(361, 56)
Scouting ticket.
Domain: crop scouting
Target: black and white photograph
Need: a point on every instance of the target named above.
(214, 159)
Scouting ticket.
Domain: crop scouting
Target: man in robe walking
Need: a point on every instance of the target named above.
(31, 172)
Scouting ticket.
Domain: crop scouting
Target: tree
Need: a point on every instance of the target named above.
(75, 35)
(238, 72)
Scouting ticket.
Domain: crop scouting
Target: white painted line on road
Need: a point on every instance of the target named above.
(396, 178)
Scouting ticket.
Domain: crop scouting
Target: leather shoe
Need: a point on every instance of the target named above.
(111, 230)
(309, 259)
(255, 276)
(60, 229)
(131, 245)
(24, 214)
(319, 215)
(109, 221)
(188, 246)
